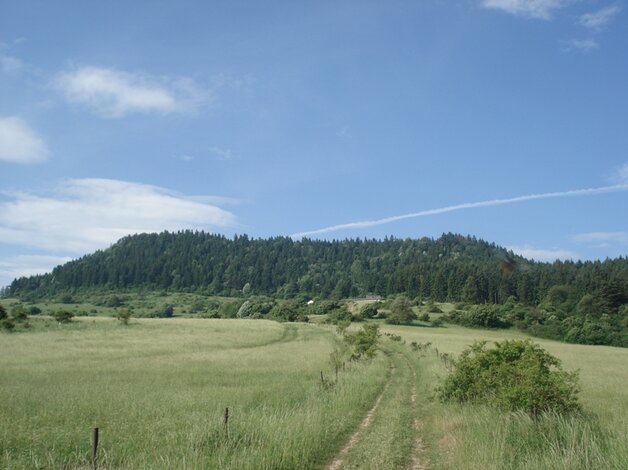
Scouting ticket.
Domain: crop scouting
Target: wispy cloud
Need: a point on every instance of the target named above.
(184, 158)
(622, 174)
(540, 254)
(113, 93)
(597, 20)
(221, 153)
(19, 143)
(541, 9)
(10, 64)
(28, 265)
(602, 237)
(83, 215)
(464, 206)
(579, 45)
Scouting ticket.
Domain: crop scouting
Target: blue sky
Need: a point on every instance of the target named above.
(503, 119)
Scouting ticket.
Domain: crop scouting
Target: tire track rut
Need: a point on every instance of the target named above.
(355, 438)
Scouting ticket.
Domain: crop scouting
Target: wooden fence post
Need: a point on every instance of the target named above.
(226, 421)
(94, 447)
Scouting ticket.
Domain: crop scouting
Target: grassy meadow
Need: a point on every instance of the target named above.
(465, 436)
(158, 389)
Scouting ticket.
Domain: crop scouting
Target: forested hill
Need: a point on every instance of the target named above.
(452, 267)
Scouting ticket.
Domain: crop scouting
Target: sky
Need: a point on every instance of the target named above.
(502, 119)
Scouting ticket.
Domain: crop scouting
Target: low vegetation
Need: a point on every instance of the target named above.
(515, 375)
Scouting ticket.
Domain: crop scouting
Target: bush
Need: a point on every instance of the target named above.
(400, 311)
(515, 375)
(124, 315)
(19, 313)
(288, 310)
(483, 316)
(370, 310)
(63, 316)
(34, 310)
(364, 342)
(3, 312)
(230, 309)
(424, 317)
(7, 324)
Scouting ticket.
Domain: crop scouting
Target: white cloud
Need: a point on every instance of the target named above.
(602, 237)
(28, 265)
(622, 174)
(113, 93)
(541, 9)
(88, 214)
(19, 143)
(9, 64)
(465, 206)
(221, 153)
(580, 45)
(184, 158)
(599, 19)
(540, 254)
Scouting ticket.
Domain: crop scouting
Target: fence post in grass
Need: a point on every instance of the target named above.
(226, 421)
(94, 447)
(322, 380)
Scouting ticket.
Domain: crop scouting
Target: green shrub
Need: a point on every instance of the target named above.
(3, 312)
(230, 309)
(19, 313)
(63, 316)
(7, 324)
(370, 310)
(124, 316)
(515, 375)
(34, 310)
(434, 309)
(400, 311)
(424, 317)
(364, 341)
(287, 310)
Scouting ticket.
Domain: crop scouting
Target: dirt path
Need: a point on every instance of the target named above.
(357, 435)
(416, 463)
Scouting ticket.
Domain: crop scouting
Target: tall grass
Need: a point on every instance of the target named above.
(158, 389)
(474, 437)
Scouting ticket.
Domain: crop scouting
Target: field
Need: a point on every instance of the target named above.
(158, 389)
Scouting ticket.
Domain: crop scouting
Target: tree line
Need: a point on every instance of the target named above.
(450, 268)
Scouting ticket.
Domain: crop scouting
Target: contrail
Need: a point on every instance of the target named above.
(466, 205)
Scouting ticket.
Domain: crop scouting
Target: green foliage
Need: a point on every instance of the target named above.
(19, 313)
(339, 315)
(482, 316)
(7, 324)
(370, 310)
(230, 309)
(63, 316)
(114, 301)
(124, 316)
(256, 307)
(451, 268)
(514, 375)
(66, 299)
(424, 316)
(167, 311)
(400, 311)
(3, 312)
(364, 341)
(288, 310)
(33, 310)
